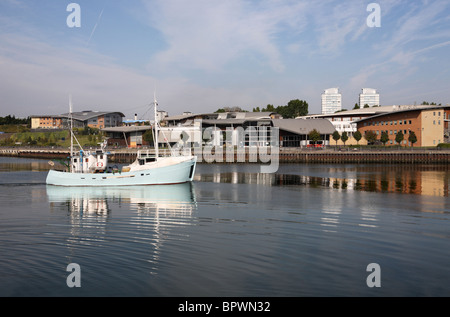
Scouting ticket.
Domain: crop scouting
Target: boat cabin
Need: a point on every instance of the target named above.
(89, 162)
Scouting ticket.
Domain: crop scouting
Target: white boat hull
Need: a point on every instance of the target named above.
(180, 171)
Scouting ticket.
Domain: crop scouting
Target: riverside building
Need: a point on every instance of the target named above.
(429, 124)
(88, 118)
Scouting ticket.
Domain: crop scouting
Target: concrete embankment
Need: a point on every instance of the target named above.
(402, 156)
(416, 156)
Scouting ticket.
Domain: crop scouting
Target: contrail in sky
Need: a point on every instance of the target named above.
(95, 26)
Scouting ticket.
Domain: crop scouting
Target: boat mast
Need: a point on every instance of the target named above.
(71, 129)
(156, 126)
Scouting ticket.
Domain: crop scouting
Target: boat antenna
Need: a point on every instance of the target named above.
(71, 129)
(155, 103)
(72, 136)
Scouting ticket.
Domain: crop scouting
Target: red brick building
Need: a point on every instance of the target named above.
(430, 125)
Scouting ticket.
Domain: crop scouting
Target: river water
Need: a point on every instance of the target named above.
(307, 230)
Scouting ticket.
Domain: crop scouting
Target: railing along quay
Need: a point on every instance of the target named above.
(39, 153)
(286, 155)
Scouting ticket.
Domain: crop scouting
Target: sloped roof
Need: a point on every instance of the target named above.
(370, 111)
(86, 115)
(223, 116)
(303, 126)
(127, 129)
(427, 107)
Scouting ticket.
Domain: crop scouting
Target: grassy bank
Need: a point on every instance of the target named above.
(86, 137)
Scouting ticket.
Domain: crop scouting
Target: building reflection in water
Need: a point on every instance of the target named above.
(431, 181)
(416, 180)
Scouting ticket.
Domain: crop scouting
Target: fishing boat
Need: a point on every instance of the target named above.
(91, 168)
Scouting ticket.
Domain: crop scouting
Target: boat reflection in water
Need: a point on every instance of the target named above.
(91, 201)
(122, 224)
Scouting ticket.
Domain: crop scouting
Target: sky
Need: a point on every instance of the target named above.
(202, 55)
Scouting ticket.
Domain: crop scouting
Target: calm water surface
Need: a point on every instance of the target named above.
(308, 230)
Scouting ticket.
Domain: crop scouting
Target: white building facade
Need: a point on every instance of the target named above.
(369, 96)
(331, 101)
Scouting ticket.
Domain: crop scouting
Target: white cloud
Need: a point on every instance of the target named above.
(208, 35)
(338, 23)
(220, 53)
(407, 44)
(41, 77)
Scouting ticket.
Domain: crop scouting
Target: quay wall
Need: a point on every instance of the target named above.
(285, 156)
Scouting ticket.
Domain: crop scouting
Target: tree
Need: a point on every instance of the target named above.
(357, 135)
(412, 138)
(148, 136)
(371, 137)
(314, 135)
(256, 109)
(13, 120)
(356, 106)
(294, 108)
(298, 108)
(344, 137)
(399, 137)
(230, 109)
(384, 138)
(268, 108)
(366, 106)
(336, 136)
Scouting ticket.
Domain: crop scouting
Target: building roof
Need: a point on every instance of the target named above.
(185, 116)
(223, 116)
(80, 116)
(371, 111)
(302, 126)
(224, 121)
(89, 114)
(405, 109)
(47, 116)
(127, 129)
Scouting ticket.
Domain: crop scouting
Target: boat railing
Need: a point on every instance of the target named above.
(163, 152)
